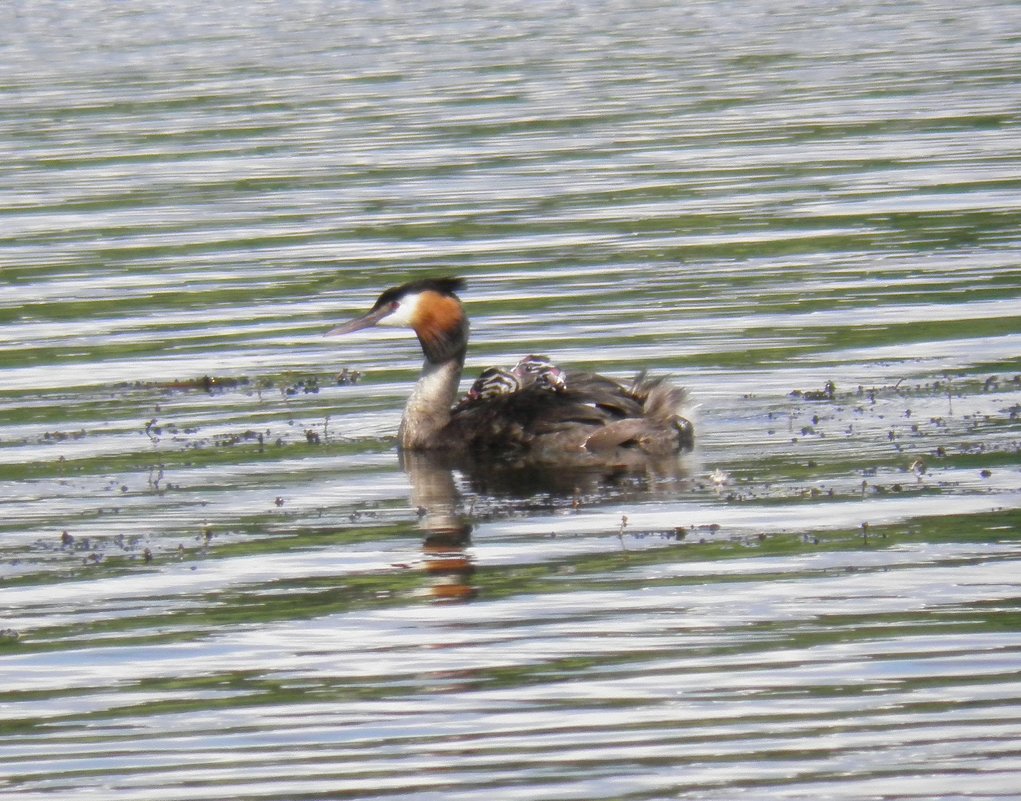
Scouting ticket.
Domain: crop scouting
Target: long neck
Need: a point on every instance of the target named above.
(428, 408)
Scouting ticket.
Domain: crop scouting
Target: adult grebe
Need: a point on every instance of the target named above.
(535, 411)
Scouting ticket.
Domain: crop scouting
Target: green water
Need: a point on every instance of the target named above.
(216, 578)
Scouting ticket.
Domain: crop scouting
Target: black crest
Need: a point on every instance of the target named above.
(444, 286)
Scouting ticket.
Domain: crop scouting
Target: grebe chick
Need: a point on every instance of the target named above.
(542, 371)
(491, 382)
(587, 419)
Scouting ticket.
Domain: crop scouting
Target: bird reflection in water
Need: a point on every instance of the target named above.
(445, 489)
(447, 531)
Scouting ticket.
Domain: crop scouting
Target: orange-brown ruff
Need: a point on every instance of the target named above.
(436, 316)
(588, 420)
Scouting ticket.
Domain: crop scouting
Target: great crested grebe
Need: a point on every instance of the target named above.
(535, 411)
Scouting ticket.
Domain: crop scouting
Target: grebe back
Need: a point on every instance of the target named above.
(536, 411)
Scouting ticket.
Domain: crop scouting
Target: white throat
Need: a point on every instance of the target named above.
(428, 409)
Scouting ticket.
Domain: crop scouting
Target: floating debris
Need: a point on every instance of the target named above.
(827, 393)
(224, 440)
(60, 436)
(308, 385)
(206, 383)
(346, 377)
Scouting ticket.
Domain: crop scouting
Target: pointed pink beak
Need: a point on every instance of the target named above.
(365, 321)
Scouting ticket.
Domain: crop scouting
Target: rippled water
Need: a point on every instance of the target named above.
(216, 578)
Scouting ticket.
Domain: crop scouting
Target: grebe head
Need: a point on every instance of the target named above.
(430, 307)
(541, 370)
(494, 381)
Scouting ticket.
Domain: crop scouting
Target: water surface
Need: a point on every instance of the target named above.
(217, 579)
